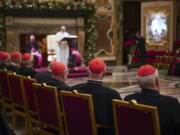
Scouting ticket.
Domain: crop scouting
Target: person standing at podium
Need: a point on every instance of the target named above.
(62, 54)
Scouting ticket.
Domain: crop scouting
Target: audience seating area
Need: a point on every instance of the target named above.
(66, 113)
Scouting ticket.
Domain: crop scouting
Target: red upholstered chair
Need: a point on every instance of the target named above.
(48, 109)
(27, 87)
(78, 111)
(135, 119)
(17, 95)
(5, 93)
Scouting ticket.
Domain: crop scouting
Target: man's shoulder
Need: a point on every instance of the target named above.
(78, 86)
(108, 89)
(62, 86)
(132, 96)
(168, 98)
(43, 73)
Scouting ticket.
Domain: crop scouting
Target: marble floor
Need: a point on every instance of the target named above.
(125, 83)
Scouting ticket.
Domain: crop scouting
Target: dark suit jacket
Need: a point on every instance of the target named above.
(43, 77)
(168, 109)
(102, 99)
(4, 66)
(31, 45)
(27, 71)
(60, 85)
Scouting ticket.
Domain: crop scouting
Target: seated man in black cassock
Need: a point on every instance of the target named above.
(5, 60)
(27, 65)
(15, 62)
(102, 96)
(31, 45)
(59, 76)
(44, 77)
(32, 48)
(168, 107)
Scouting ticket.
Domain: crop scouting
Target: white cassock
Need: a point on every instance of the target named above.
(62, 53)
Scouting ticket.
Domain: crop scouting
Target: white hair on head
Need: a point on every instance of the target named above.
(147, 80)
(19, 59)
(6, 60)
(96, 75)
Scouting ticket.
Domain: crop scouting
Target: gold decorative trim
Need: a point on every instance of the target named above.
(134, 105)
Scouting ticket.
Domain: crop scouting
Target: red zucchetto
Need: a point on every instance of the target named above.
(26, 56)
(1, 52)
(146, 70)
(15, 55)
(58, 68)
(5, 55)
(97, 66)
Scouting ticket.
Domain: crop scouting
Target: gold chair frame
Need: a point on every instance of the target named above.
(134, 105)
(88, 97)
(58, 110)
(6, 102)
(18, 110)
(29, 112)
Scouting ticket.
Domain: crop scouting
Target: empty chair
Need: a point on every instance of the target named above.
(17, 95)
(48, 109)
(78, 111)
(5, 91)
(135, 119)
(27, 87)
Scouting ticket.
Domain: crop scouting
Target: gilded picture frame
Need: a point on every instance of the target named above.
(157, 24)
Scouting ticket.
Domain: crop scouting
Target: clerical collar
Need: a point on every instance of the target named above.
(95, 81)
(150, 91)
(14, 64)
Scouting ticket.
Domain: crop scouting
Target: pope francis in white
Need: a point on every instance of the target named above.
(62, 53)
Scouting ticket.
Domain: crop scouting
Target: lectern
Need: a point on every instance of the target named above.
(61, 51)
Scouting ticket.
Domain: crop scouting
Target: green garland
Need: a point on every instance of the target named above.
(35, 5)
(90, 39)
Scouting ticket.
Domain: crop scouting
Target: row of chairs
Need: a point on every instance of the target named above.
(69, 113)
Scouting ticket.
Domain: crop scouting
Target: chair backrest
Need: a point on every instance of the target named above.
(47, 105)
(16, 89)
(4, 84)
(78, 113)
(132, 118)
(27, 87)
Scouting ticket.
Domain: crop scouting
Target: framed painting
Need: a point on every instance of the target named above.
(157, 24)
